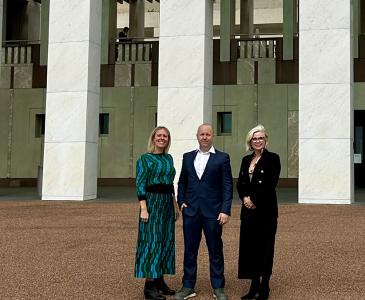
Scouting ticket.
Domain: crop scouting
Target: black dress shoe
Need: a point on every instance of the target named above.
(151, 292)
(253, 292)
(163, 287)
(263, 294)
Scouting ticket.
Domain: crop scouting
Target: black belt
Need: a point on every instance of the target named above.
(160, 188)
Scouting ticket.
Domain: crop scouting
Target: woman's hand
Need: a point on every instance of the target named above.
(248, 203)
(144, 212)
(144, 215)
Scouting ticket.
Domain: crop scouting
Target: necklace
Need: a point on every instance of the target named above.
(253, 163)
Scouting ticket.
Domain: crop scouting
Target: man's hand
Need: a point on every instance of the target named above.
(223, 218)
(183, 206)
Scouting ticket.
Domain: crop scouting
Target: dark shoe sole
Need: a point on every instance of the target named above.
(168, 293)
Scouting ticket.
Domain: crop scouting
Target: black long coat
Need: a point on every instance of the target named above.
(258, 226)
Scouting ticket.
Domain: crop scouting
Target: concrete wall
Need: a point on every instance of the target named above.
(274, 106)
(20, 149)
(132, 117)
(132, 113)
(4, 131)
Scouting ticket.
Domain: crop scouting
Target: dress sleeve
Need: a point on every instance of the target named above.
(274, 168)
(173, 173)
(141, 178)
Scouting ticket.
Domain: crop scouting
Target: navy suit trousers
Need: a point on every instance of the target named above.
(193, 227)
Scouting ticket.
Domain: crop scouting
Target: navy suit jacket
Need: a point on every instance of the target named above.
(212, 194)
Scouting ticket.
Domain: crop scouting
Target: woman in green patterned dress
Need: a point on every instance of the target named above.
(158, 211)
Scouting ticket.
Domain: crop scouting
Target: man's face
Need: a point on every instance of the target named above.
(205, 137)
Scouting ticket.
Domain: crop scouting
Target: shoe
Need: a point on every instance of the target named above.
(163, 287)
(263, 294)
(253, 292)
(219, 294)
(250, 296)
(264, 290)
(151, 292)
(185, 293)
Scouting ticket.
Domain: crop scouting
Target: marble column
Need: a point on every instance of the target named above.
(109, 31)
(136, 18)
(72, 103)
(44, 32)
(325, 102)
(185, 71)
(226, 28)
(246, 18)
(289, 24)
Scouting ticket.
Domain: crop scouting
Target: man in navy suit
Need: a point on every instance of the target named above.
(205, 198)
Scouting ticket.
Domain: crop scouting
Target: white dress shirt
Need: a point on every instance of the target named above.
(201, 160)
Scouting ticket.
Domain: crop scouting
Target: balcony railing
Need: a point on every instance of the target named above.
(19, 52)
(132, 51)
(135, 50)
(257, 48)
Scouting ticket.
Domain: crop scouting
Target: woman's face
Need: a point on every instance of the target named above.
(258, 141)
(161, 139)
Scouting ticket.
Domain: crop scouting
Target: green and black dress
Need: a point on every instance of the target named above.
(155, 253)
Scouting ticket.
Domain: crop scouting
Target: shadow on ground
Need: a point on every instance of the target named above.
(128, 194)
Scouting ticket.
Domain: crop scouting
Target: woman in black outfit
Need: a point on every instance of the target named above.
(259, 174)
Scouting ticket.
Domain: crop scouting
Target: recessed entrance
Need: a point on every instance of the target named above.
(359, 146)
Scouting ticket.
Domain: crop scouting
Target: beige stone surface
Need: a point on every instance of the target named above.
(63, 250)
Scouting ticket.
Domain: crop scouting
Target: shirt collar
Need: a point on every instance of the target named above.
(211, 150)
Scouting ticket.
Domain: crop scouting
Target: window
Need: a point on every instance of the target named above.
(103, 124)
(40, 121)
(224, 120)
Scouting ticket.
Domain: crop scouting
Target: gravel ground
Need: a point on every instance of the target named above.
(85, 250)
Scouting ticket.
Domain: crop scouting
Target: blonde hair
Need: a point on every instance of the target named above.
(258, 128)
(151, 145)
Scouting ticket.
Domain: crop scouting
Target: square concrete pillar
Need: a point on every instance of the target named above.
(325, 102)
(108, 31)
(72, 103)
(136, 18)
(44, 32)
(246, 17)
(289, 26)
(1, 26)
(226, 28)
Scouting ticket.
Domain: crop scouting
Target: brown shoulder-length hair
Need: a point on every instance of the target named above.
(151, 145)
